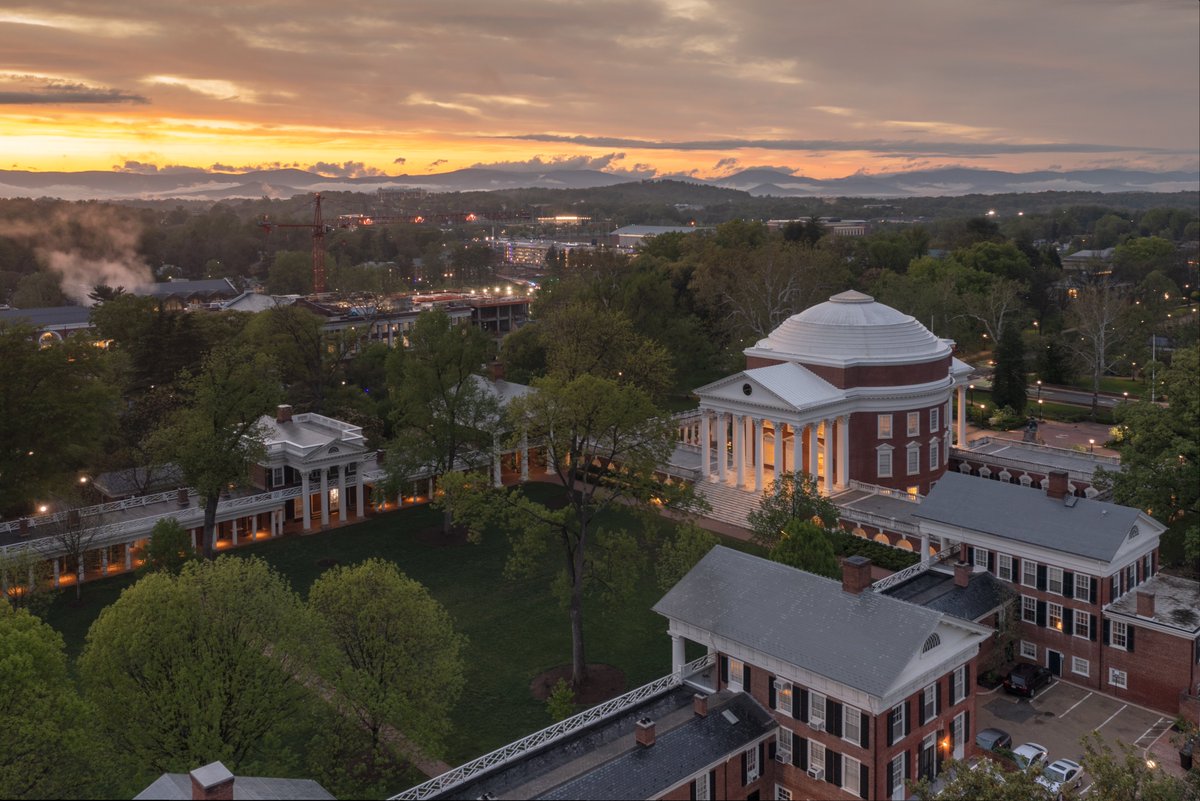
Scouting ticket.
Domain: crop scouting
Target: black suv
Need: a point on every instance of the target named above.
(1027, 679)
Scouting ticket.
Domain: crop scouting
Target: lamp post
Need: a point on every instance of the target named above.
(1091, 445)
(971, 399)
(1041, 411)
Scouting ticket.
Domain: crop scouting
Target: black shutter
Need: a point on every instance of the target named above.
(1092, 628)
(891, 727)
(1016, 579)
(950, 698)
(908, 717)
(712, 784)
(971, 556)
(1068, 584)
(937, 698)
(864, 785)
(803, 705)
(1041, 577)
(724, 670)
(771, 692)
(1129, 630)
(1068, 621)
(1112, 588)
(831, 758)
(865, 720)
(771, 751)
(966, 680)
(991, 565)
(762, 758)
(744, 769)
(692, 790)
(834, 711)
(1107, 630)
(1093, 590)
(890, 786)
(800, 749)
(1041, 614)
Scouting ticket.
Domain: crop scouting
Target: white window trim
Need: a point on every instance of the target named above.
(277, 477)
(1004, 564)
(913, 458)
(702, 787)
(1076, 662)
(960, 685)
(1026, 564)
(1087, 623)
(851, 776)
(879, 452)
(1050, 609)
(813, 716)
(976, 552)
(816, 747)
(852, 713)
(1084, 591)
(899, 721)
(1051, 572)
(935, 453)
(1025, 651)
(1114, 674)
(935, 419)
(1112, 635)
(913, 424)
(782, 793)
(1025, 598)
(735, 675)
(896, 766)
(752, 767)
(929, 703)
(883, 426)
(780, 694)
(784, 753)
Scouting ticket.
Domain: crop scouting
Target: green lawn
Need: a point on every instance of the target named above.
(516, 628)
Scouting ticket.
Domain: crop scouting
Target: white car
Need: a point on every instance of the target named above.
(1030, 756)
(1060, 774)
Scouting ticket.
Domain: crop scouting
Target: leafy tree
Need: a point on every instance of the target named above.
(1128, 777)
(24, 577)
(215, 438)
(1008, 380)
(396, 658)
(57, 405)
(985, 781)
(290, 273)
(1053, 361)
(168, 549)
(1135, 259)
(37, 291)
(561, 702)
(804, 545)
(604, 441)
(185, 670)
(44, 746)
(446, 416)
(309, 359)
(681, 553)
(1096, 329)
(523, 353)
(795, 496)
(103, 293)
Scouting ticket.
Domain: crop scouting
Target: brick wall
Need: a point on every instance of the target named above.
(1158, 668)
(864, 442)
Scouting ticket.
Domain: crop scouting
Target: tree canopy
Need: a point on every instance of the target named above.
(795, 496)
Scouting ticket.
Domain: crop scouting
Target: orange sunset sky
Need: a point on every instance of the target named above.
(647, 88)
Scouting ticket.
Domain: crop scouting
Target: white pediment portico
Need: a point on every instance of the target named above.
(786, 388)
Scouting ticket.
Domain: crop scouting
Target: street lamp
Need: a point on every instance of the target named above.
(971, 399)
(1091, 445)
(1039, 383)
(1041, 411)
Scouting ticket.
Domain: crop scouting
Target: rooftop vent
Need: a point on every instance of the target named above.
(729, 716)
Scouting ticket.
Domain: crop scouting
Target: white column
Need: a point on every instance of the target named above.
(129, 555)
(54, 561)
(962, 417)
(234, 528)
(678, 660)
(722, 432)
(705, 467)
(748, 439)
(778, 449)
(843, 454)
(324, 497)
(307, 501)
(524, 458)
(739, 450)
(829, 457)
(360, 509)
(104, 561)
(343, 511)
(924, 546)
(192, 531)
(496, 478)
(758, 461)
(812, 451)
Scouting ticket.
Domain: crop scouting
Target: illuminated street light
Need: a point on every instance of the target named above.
(1091, 445)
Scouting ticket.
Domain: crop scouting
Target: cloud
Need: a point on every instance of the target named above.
(347, 169)
(149, 168)
(728, 162)
(438, 163)
(399, 160)
(538, 163)
(39, 90)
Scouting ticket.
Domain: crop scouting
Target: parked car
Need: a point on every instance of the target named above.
(1030, 756)
(1026, 680)
(1059, 774)
(993, 739)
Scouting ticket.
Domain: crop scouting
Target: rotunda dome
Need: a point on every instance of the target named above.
(852, 328)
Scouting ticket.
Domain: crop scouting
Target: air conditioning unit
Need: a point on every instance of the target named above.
(782, 758)
(817, 724)
(816, 773)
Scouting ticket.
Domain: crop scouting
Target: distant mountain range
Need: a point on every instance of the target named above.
(285, 183)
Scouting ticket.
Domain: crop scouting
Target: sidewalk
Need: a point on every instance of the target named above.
(1057, 435)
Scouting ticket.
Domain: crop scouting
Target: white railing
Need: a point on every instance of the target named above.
(558, 731)
(92, 511)
(970, 454)
(904, 575)
(890, 492)
(880, 522)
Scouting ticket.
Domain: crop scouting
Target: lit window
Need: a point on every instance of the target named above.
(1083, 625)
(1054, 616)
(883, 462)
(1028, 608)
(884, 426)
(1080, 666)
(1028, 650)
(1118, 678)
(1004, 567)
(1029, 573)
(736, 671)
(1119, 638)
(1054, 580)
(1083, 587)
(914, 423)
(783, 696)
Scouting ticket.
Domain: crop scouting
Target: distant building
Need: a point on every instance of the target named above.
(631, 236)
(214, 782)
(180, 294)
(51, 324)
(1090, 261)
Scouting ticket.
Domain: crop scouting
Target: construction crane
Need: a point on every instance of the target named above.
(318, 228)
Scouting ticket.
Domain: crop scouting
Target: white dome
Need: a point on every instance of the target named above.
(851, 328)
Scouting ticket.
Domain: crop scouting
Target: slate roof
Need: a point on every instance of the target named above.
(802, 618)
(936, 590)
(1090, 528)
(174, 786)
(1176, 602)
(644, 772)
(166, 289)
(45, 316)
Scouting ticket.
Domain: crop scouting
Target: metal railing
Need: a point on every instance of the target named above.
(904, 575)
(558, 731)
(92, 511)
(890, 492)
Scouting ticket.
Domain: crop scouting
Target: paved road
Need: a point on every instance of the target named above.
(1075, 396)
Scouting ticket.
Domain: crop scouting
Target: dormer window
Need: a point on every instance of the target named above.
(931, 642)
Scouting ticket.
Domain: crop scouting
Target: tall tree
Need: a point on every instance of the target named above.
(1128, 776)
(396, 659)
(200, 667)
(1008, 380)
(215, 438)
(1096, 328)
(604, 442)
(446, 417)
(168, 549)
(803, 544)
(795, 496)
(44, 745)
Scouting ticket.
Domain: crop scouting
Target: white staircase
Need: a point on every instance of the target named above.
(729, 504)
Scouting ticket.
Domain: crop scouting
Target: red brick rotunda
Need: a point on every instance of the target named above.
(847, 390)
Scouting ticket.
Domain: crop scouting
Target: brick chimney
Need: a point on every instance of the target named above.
(856, 574)
(496, 370)
(283, 413)
(213, 782)
(700, 705)
(962, 574)
(1058, 485)
(644, 734)
(181, 496)
(1145, 603)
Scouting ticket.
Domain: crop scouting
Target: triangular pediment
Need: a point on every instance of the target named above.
(338, 449)
(787, 386)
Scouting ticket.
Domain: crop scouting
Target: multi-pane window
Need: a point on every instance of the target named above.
(1028, 650)
(751, 764)
(960, 684)
(702, 786)
(1147, 566)
(736, 670)
(1029, 573)
(897, 717)
(1028, 608)
(914, 459)
(914, 423)
(883, 426)
(935, 455)
(1118, 678)
(783, 745)
(851, 725)
(1080, 666)
(883, 462)
(851, 774)
(276, 477)
(1054, 616)
(929, 703)
(934, 422)
(1083, 625)
(897, 769)
(816, 708)
(783, 696)
(816, 754)
(1004, 567)
(1054, 580)
(1083, 587)
(1119, 638)
(980, 557)
(782, 793)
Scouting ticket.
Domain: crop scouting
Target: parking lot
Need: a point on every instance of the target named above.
(1062, 714)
